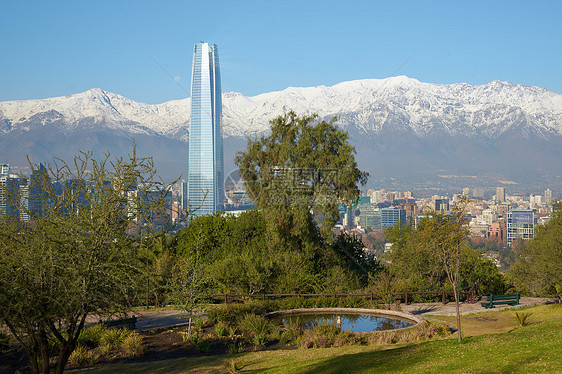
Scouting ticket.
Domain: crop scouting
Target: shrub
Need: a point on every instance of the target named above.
(259, 341)
(256, 325)
(522, 317)
(91, 336)
(232, 331)
(233, 313)
(204, 345)
(83, 356)
(292, 329)
(132, 345)
(111, 339)
(221, 329)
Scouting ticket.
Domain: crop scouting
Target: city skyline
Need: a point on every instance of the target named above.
(205, 174)
(69, 47)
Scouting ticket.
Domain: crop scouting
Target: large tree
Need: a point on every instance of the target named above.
(76, 258)
(436, 254)
(538, 269)
(297, 175)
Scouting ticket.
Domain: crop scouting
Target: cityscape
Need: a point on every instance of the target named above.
(332, 187)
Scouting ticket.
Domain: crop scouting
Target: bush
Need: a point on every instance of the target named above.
(111, 339)
(233, 313)
(259, 341)
(256, 325)
(132, 345)
(291, 330)
(204, 345)
(221, 329)
(91, 336)
(522, 317)
(83, 356)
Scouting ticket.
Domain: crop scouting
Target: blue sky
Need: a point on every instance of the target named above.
(55, 48)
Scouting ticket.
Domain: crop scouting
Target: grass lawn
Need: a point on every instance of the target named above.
(494, 343)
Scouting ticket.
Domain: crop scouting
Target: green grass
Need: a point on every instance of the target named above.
(535, 348)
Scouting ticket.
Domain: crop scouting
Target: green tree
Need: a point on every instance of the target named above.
(436, 254)
(538, 269)
(77, 258)
(445, 235)
(296, 176)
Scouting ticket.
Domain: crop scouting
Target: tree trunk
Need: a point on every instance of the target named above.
(44, 352)
(456, 289)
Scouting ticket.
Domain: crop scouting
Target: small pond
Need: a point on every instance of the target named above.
(347, 322)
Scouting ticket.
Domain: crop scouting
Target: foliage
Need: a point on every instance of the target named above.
(256, 325)
(221, 329)
(522, 318)
(234, 258)
(537, 270)
(77, 258)
(98, 342)
(417, 267)
(384, 288)
(296, 176)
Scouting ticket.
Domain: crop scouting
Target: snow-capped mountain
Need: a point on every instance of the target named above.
(398, 125)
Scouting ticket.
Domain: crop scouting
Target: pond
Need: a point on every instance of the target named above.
(347, 322)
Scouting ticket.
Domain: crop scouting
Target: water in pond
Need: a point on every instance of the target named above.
(348, 322)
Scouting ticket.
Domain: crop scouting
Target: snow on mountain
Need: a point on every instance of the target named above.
(371, 106)
(403, 130)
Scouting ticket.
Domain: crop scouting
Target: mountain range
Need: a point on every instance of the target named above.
(407, 134)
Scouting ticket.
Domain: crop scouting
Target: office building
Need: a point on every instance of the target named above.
(500, 194)
(441, 205)
(370, 217)
(548, 196)
(390, 216)
(205, 159)
(520, 224)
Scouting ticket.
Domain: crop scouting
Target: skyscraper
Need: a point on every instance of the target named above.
(500, 194)
(205, 174)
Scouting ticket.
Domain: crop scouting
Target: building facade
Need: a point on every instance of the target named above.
(205, 174)
(520, 224)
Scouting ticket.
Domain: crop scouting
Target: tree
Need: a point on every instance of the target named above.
(435, 255)
(538, 268)
(446, 234)
(297, 175)
(76, 258)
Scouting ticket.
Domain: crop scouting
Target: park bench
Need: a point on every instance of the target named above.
(493, 300)
(129, 323)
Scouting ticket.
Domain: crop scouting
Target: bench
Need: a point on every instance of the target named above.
(493, 300)
(129, 323)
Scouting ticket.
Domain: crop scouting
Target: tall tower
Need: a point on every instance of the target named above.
(500, 194)
(205, 174)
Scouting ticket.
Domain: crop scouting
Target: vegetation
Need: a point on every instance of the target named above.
(537, 269)
(77, 258)
(494, 343)
(297, 175)
(85, 256)
(437, 253)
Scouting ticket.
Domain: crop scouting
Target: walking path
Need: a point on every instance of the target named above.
(465, 308)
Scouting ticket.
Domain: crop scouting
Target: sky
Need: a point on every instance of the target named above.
(143, 49)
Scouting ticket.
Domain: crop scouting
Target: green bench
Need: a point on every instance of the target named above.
(493, 300)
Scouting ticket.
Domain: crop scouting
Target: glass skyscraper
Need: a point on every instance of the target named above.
(205, 174)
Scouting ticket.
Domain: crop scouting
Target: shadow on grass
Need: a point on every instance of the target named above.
(394, 360)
